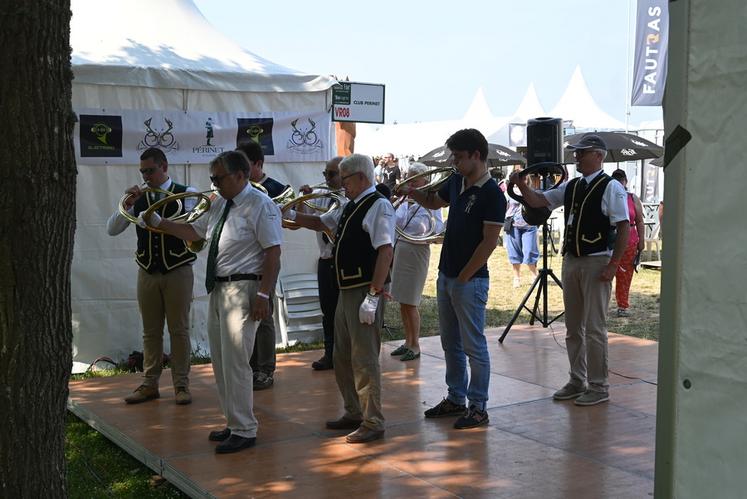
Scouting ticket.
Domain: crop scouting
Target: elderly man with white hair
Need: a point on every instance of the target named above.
(411, 259)
(364, 229)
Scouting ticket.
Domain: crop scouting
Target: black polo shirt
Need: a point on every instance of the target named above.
(274, 188)
(469, 210)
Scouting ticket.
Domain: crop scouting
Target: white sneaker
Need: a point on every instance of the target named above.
(517, 282)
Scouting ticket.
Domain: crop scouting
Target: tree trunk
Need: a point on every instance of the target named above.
(37, 220)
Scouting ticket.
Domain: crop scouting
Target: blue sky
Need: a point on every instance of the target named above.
(434, 55)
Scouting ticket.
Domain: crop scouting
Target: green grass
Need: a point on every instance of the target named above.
(98, 468)
(503, 300)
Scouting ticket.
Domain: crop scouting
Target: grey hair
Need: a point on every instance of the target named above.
(358, 163)
(416, 168)
(232, 161)
(602, 152)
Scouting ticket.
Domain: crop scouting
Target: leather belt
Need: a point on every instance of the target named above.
(239, 277)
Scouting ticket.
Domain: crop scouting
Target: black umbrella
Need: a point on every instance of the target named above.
(621, 146)
(497, 156)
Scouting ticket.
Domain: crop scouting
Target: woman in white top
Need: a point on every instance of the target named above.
(410, 266)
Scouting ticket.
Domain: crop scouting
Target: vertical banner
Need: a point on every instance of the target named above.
(650, 181)
(650, 65)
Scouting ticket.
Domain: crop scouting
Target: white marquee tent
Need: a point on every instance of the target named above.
(577, 104)
(164, 56)
(416, 139)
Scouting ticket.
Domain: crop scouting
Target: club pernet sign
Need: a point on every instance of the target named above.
(358, 102)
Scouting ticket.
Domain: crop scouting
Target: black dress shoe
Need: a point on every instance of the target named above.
(323, 364)
(363, 435)
(343, 423)
(219, 435)
(234, 443)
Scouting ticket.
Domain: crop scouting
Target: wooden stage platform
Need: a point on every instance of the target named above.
(534, 447)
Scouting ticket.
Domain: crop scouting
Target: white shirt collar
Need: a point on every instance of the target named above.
(592, 176)
(364, 194)
(480, 181)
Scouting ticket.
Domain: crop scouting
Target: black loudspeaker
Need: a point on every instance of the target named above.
(544, 140)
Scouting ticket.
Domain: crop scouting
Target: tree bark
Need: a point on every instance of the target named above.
(37, 220)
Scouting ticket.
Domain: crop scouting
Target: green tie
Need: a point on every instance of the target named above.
(213, 252)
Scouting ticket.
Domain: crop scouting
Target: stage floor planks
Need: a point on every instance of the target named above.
(534, 447)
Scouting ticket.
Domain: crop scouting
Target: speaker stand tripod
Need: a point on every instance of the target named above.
(540, 284)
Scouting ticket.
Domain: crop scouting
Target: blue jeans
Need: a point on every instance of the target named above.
(461, 311)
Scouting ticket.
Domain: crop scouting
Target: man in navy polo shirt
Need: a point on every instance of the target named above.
(476, 212)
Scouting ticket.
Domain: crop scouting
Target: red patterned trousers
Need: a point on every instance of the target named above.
(624, 276)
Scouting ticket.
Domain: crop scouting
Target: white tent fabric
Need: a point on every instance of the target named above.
(169, 44)
(528, 108)
(702, 386)
(163, 56)
(578, 105)
(416, 139)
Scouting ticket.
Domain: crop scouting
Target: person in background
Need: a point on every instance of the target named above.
(411, 261)
(520, 238)
(636, 242)
(325, 273)
(390, 173)
(263, 359)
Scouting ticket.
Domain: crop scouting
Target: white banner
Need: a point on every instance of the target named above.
(358, 102)
(107, 136)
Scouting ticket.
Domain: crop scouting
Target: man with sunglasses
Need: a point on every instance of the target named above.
(264, 357)
(244, 236)
(596, 236)
(362, 254)
(164, 283)
(325, 271)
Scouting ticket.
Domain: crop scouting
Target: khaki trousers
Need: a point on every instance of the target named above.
(231, 332)
(356, 358)
(165, 298)
(586, 299)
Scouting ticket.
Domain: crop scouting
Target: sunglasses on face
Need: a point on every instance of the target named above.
(329, 173)
(215, 179)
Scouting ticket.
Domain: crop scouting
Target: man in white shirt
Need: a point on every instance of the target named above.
(244, 236)
(596, 235)
(363, 253)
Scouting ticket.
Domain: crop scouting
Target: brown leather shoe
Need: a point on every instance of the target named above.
(344, 423)
(183, 397)
(363, 435)
(142, 394)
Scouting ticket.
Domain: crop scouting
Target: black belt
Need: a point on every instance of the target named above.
(239, 277)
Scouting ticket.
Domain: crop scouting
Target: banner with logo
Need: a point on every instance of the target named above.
(650, 65)
(650, 180)
(107, 137)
